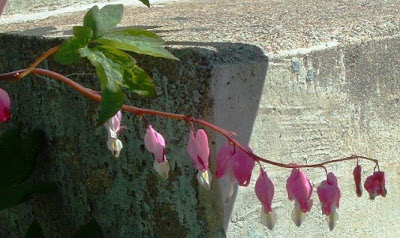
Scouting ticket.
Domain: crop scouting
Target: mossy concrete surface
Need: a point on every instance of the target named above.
(125, 195)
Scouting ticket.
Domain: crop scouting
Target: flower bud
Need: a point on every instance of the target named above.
(199, 152)
(299, 189)
(155, 144)
(375, 185)
(5, 104)
(329, 196)
(265, 190)
(357, 179)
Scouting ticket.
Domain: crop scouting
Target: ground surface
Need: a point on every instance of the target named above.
(272, 25)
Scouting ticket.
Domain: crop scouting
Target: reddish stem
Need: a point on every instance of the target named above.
(38, 60)
(93, 95)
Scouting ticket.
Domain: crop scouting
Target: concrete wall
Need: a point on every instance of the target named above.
(124, 195)
(312, 106)
(304, 106)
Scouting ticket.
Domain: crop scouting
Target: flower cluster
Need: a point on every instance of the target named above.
(300, 190)
(235, 165)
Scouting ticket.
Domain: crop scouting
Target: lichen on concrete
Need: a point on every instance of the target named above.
(125, 195)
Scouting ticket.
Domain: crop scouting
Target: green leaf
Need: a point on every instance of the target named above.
(16, 165)
(117, 56)
(103, 20)
(136, 40)
(107, 70)
(34, 230)
(83, 33)
(111, 78)
(145, 2)
(135, 79)
(111, 103)
(12, 196)
(69, 50)
(90, 230)
(139, 82)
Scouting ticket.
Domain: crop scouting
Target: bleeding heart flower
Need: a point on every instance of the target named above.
(5, 104)
(357, 179)
(265, 190)
(329, 196)
(199, 152)
(375, 185)
(299, 189)
(113, 127)
(155, 144)
(234, 165)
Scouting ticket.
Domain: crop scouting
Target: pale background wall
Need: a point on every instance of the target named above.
(312, 107)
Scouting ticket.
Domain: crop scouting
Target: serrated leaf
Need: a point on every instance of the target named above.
(90, 230)
(136, 40)
(145, 2)
(34, 230)
(103, 20)
(12, 196)
(111, 103)
(69, 50)
(139, 82)
(17, 166)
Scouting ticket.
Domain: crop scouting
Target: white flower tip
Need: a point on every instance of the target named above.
(332, 218)
(268, 219)
(204, 179)
(110, 131)
(162, 168)
(297, 215)
(115, 146)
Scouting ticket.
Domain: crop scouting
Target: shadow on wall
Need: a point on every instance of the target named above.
(237, 80)
(54, 31)
(221, 82)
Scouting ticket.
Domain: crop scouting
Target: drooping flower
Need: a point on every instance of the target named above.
(199, 152)
(5, 104)
(155, 144)
(113, 127)
(265, 190)
(357, 179)
(299, 189)
(329, 196)
(375, 185)
(235, 166)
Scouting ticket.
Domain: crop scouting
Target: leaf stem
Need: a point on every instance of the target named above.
(38, 61)
(93, 95)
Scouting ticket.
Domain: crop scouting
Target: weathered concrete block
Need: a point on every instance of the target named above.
(350, 105)
(125, 195)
